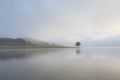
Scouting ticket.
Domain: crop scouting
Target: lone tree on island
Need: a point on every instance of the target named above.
(77, 44)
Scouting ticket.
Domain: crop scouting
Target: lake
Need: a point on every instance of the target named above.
(60, 64)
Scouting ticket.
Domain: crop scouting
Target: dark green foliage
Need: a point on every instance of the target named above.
(14, 42)
(77, 44)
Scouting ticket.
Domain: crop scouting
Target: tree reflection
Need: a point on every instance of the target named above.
(78, 51)
(17, 54)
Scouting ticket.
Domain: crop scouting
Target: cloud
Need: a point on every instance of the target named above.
(113, 41)
(60, 20)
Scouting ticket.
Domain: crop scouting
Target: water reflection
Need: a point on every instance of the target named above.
(12, 54)
(60, 64)
(78, 51)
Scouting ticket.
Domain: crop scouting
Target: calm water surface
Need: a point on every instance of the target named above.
(60, 64)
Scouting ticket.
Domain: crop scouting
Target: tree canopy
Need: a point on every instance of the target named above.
(14, 42)
(77, 44)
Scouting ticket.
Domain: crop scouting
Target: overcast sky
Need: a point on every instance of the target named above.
(60, 20)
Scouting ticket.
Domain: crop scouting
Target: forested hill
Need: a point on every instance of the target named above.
(25, 42)
(14, 42)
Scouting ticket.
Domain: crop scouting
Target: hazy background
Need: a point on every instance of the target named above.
(93, 22)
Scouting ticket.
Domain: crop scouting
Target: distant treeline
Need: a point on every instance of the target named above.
(14, 42)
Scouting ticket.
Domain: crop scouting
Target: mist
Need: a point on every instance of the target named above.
(60, 21)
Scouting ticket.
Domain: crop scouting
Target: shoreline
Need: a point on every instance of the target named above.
(30, 47)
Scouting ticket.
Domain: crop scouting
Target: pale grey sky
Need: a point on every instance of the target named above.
(60, 21)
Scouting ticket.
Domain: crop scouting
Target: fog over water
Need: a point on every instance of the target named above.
(60, 64)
